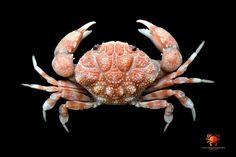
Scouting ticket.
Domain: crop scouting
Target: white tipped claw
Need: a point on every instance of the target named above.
(86, 26)
(86, 33)
(146, 23)
(145, 32)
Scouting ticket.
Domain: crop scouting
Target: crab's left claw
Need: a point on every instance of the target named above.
(163, 40)
(63, 56)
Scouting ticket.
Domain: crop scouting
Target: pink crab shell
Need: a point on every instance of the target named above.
(115, 72)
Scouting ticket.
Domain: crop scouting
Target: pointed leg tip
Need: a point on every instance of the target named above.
(166, 126)
(34, 60)
(203, 42)
(208, 81)
(44, 116)
(65, 127)
(26, 85)
(193, 114)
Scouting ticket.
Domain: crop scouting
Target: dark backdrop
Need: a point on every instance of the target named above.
(119, 129)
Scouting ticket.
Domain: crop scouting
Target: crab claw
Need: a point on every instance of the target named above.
(63, 55)
(163, 40)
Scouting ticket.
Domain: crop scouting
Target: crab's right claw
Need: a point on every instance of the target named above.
(165, 42)
(63, 55)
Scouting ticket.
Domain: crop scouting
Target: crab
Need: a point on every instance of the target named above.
(117, 73)
(213, 139)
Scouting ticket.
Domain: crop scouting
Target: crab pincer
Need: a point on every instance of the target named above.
(63, 56)
(165, 42)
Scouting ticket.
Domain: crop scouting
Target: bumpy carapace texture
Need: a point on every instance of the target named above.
(115, 72)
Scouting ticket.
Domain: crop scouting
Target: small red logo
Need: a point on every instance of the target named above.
(213, 139)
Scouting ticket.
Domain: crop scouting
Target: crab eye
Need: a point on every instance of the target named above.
(95, 47)
(133, 47)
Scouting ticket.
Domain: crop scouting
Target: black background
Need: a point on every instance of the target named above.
(120, 129)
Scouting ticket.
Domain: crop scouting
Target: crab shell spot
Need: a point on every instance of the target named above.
(120, 91)
(119, 47)
(88, 60)
(141, 62)
(104, 62)
(87, 78)
(109, 48)
(130, 89)
(114, 77)
(98, 89)
(137, 76)
(110, 91)
(63, 64)
(124, 63)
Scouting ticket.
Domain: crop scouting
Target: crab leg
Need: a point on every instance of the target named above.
(167, 80)
(63, 55)
(179, 80)
(50, 103)
(73, 105)
(64, 89)
(171, 57)
(157, 104)
(42, 73)
(180, 95)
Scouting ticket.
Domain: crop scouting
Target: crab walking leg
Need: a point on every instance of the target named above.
(184, 66)
(180, 95)
(167, 80)
(49, 79)
(157, 104)
(73, 105)
(179, 80)
(63, 56)
(50, 103)
(40, 87)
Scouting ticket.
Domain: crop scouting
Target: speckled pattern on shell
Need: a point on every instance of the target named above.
(115, 72)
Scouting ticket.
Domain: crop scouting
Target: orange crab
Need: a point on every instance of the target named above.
(213, 139)
(116, 73)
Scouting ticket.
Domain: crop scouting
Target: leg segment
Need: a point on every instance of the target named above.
(50, 103)
(180, 95)
(64, 89)
(73, 105)
(157, 104)
(179, 80)
(168, 79)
